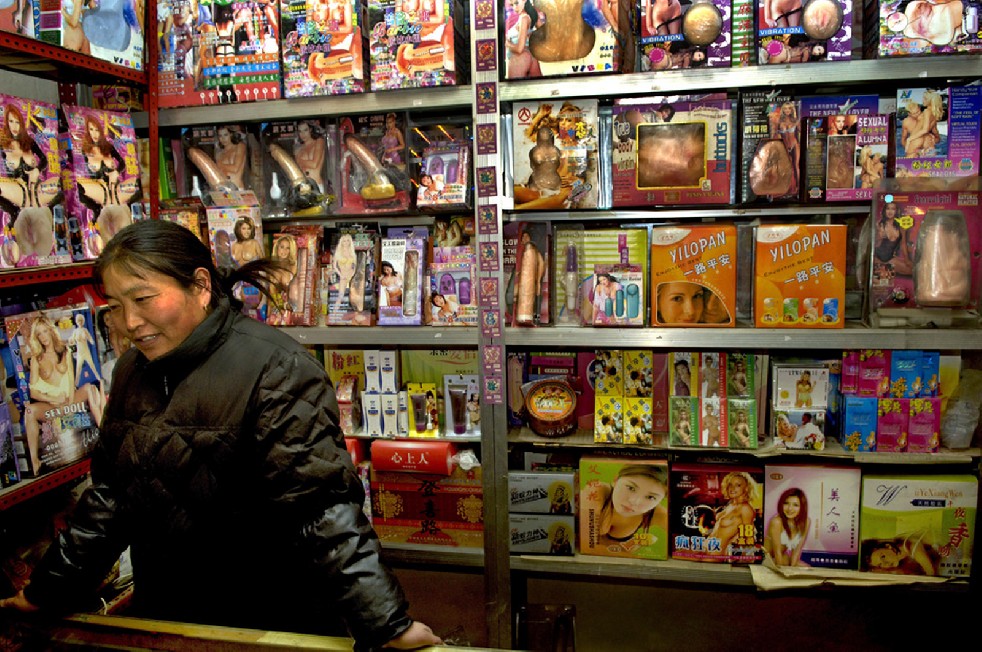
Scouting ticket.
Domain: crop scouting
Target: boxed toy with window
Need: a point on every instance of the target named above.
(297, 247)
(623, 507)
(450, 295)
(373, 164)
(400, 276)
(462, 403)
(799, 276)
(618, 295)
(672, 152)
(812, 515)
(555, 161)
(352, 286)
(771, 143)
(937, 131)
(925, 253)
(32, 214)
(527, 293)
(322, 48)
(444, 177)
(693, 275)
(300, 169)
(918, 524)
(897, 28)
(846, 156)
(716, 513)
(111, 30)
(696, 35)
(792, 31)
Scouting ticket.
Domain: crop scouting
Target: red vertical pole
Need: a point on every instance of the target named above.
(150, 104)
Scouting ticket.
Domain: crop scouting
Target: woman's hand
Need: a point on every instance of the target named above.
(20, 603)
(418, 635)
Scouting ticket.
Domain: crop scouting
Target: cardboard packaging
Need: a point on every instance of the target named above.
(771, 147)
(104, 31)
(354, 265)
(937, 131)
(897, 29)
(846, 156)
(859, 426)
(298, 247)
(322, 48)
(400, 276)
(683, 420)
(542, 534)
(693, 279)
(373, 164)
(542, 492)
(810, 31)
(699, 37)
(892, 423)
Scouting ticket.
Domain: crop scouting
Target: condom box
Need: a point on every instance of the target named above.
(799, 279)
(826, 525)
(699, 37)
(859, 424)
(574, 272)
(923, 276)
(684, 373)
(65, 408)
(937, 131)
(683, 420)
(104, 190)
(740, 374)
(541, 492)
(237, 52)
(400, 301)
(32, 214)
(929, 522)
(581, 42)
(771, 147)
(741, 423)
(792, 31)
(693, 279)
(637, 373)
(672, 153)
(563, 140)
(892, 423)
(846, 156)
(322, 48)
(373, 164)
(414, 44)
(623, 508)
(924, 425)
(897, 28)
(428, 509)
(351, 292)
(548, 534)
(716, 513)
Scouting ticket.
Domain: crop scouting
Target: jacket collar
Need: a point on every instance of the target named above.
(201, 343)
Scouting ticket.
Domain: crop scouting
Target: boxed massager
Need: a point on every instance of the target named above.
(353, 278)
(771, 142)
(897, 28)
(373, 164)
(800, 31)
(299, 170)
(846, 156)
(696, 35)
(110, 30)
(527, 294)
(400, 277)
(937, 131)
(322, 48)
(672, 152)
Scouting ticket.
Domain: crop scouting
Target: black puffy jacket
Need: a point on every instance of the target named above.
(222, 466)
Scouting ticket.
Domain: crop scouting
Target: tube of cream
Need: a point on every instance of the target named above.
(458, 409)
(571, 281)
(419, 412)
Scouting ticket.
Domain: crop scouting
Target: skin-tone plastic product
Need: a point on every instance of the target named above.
(565, 35)
(419, 411)
(301, 191)
(209, 170)
(410, 284)
(571, 280)
(702, 23)
(943, 264)
(378, 186)
(822, 19)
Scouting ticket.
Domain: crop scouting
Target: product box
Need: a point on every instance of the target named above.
(905, 373)
(461, 400)
(874, 373)
(741, 377)
(716, 513)
(413, 45)
(799, 428)
(895, 28)
(9, 471)
(322, 48)
(373, 164)
(104, 191)
(696, 35)
(799, 276)
(542, 492)
(846, 156)
(299, 167)
(424, 411)
(177, 57)
(918, 525)
(578, 252)
(892, 422)
(32, 214)
(683, 373)
(527, 295)
(444, 178)
(925, 268)
(812, 515)
(796, 32)
(21, 18)
(618, 295)
(442, 510)
(859, 425)
(771, 147)
(713, 375)
(638, 373)
(432, 457)
(608, 373)
(555, 160)
(638, 421)
(672, 152)
(937, 131)
(400, 274)
(694, 274)
(712, 422)
(235, 235)
(623, 507)
(799, 386)
(608, 420)
(683, 414)
(110, 31)
(351, 292)
(237, 52)
(542, 534)
(924, 425)
(449, 297)
(297, 247)
(741, 425)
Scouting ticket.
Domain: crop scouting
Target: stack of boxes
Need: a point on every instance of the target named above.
(799, 402)
(385, 407)
(541, 512)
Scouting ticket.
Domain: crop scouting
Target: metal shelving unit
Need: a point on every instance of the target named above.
(433, 555)
(26, 489)
(635, 569)
(39, 59)
(627, 216)
(53, 274)
(353, 337)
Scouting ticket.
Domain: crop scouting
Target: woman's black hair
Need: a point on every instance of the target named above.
(169, 249)
(533, 13)
(235, 135)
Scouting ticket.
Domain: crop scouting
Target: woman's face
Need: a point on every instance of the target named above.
(603, 281)
(683, 372)
(94, 132)
(890, 211)
(44, 336)
(387, 270)
(152, 310)
(282, 248)
(13, 124)
(791, 507)
(741, 417)
(304, 132)
(635, 495)
(439, 301)
(680, 302)
(884, 558)
(247, 231)
(737, 489)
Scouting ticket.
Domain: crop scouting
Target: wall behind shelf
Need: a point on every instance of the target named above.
(32, 88)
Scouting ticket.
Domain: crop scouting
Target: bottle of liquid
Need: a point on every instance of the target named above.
(571, 282)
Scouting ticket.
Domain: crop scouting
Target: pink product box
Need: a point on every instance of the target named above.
(924, 425)
(32, 216)
(698, 37)
(666, 153)
(897, 28)
(937, 132)
(874, 373)
(716, 513)
(892, 425)
(812, 515)
(799, 32)
(400, 277)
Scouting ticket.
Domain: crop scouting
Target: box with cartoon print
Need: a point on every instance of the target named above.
(608, 420)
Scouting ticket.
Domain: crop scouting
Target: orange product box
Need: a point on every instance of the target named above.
(693, 275)
(799, 276)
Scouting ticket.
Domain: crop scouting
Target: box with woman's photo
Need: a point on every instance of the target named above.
(618, 295)
(741, 423)
(400, 301)
(937, 131)
(799, 385)
(450, 296)
(812, 515)
(802, 429)
(352, 282)
(59, 379)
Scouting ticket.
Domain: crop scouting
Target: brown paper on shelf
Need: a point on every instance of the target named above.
(771, 577)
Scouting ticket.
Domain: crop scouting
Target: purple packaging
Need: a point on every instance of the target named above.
(32, 217)
(791, 31)
(821, 106)
(891, 425)
(850, 372)
(859, 424)
(874, 373)
(812, 515)
(898, 28)
(937, 132)
(698, 37)
(400, 279)
(924, 425)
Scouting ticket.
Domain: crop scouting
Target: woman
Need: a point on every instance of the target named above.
(247, 246)
(892, 252)
(102, 192)
(522, 19)
(919, 135)
(741, 430)
(788, 528)
(870, 166)
(444, 309)
(310, 151)
(22, 194)
(391, 284)
(680, 302)
(903, 555)
(393, 143)
(784, 125)
(231, 155)
(663, 17)
(624, 511)
(344, 263)
(203, 478)
(683, 429)
(72, 35)
(285, 293)
(735, 520)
